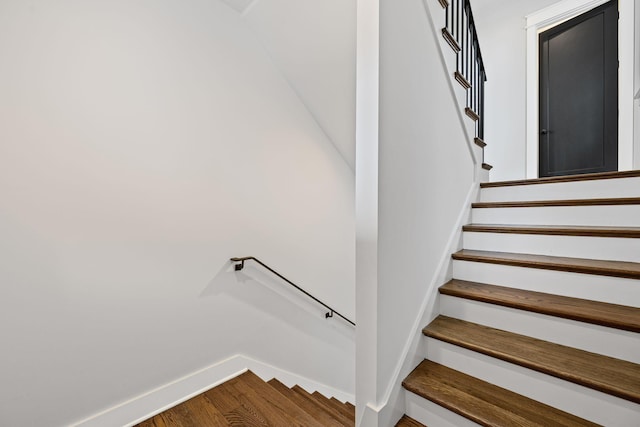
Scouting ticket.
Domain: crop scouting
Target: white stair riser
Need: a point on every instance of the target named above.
(483, 174)
(432, 414)
(606, 188)
(581, 401)
(613, 290)
(612, 216)
(584, 336)
(605, 248)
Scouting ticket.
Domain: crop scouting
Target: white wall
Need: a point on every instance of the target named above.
(142, 144)
(502, 35)
(636, 90)
(425, 171)
(313, 43)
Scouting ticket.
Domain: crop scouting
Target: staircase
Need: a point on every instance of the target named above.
(540, 324)
(247, 400)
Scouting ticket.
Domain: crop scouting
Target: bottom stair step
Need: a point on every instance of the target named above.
(481, 402)
(613, 376)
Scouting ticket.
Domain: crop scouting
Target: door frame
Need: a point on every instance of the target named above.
(556, 14)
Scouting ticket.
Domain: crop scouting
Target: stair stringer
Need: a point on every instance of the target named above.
(448, 61)
(393, 405)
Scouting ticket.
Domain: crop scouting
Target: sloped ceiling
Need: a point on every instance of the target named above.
(312, 42)
(239, 5)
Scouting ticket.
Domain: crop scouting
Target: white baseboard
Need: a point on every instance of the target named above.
(169, 395)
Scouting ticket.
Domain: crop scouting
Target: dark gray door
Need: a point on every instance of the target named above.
(579, 94)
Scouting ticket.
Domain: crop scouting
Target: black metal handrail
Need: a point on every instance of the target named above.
(328, 314)
(460, 32)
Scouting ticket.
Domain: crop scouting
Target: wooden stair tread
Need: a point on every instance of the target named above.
(557, 203)
(462, 80)
(595, 312)
(247, 400)
(450, 40)
(479, 142)
(568, 178)
(309, 406)
(337, 415)
(342, 410)
(481, 402)
(555, 230)
(612, 376)
(407, 421)
(471, 114)
(282, 388)
(576, 265)
(345, 408)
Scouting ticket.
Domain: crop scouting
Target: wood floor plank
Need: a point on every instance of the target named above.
(484, 403)
(629, 270)
(555, 230)
(195, 412)
(203, 413)
(594, 312)
(612, 376)
(223, 397)
(179, 416)
(567, 178)
(148, 423)
(407, 421)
